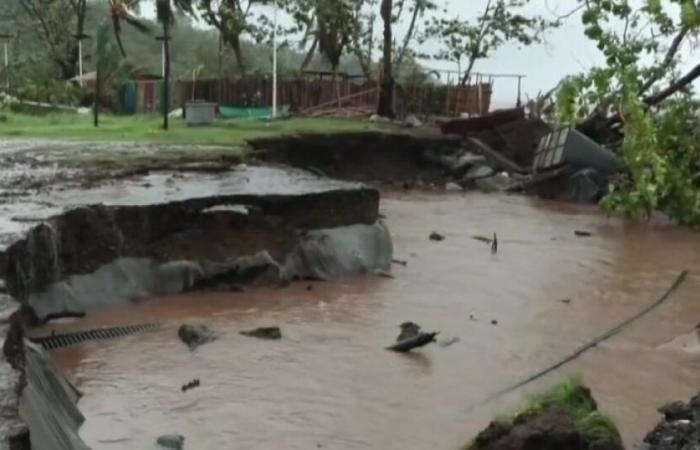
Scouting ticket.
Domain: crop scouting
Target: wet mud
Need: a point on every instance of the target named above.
(330, 383)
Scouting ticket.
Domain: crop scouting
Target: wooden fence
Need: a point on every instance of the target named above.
(314, 94)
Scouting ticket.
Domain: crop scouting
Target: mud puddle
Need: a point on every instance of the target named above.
(329, 384)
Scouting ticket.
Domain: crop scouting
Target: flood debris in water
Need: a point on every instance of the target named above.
(191, 385)
(195, 335)
(435, 236)
(408, 330)
(400, 262)
(494, 244)
(582, 233)
(412, 337)
(679, 429)
(171, 441)
(269, 333)
(564, 417)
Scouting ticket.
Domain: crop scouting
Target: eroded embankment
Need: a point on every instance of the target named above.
(158, 234)
(387, 158)
(100, 255)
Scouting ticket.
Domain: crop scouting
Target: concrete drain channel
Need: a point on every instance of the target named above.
(65, 340)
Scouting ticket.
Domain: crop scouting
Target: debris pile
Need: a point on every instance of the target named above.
(507, 151)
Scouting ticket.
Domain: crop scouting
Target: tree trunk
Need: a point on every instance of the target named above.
(336, 85)
(409, 35)
(96, 108)
(166, 79)
(310, 54)
(386, 91)
(468, 71)
(235, 42)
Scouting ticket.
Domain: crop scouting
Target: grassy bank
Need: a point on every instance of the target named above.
(571, 399)
(148, 128)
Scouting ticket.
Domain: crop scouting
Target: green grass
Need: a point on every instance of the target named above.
(147, 128)
(569, 398)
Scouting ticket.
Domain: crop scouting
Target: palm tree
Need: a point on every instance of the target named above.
(110, 66)
(386, 92)
(165, 14)
(333, 33)
(120, 11)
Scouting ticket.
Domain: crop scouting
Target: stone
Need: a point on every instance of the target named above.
(269, 333)
(676, 411)
(376, 118)
(453, 187)
(196, 335)
(477, 172)
(497, 183)
(459, 163)
(412, 121)
(171, 441)
(435, 236)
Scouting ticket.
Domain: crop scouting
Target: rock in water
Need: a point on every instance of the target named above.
(171, 441)
(195, 335)
(408, 330)
(270, 333)
(420, 340)
(412, 122)
(435, 236)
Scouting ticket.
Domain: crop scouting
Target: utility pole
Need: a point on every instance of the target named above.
(162, 40)
(165, 95)
(274, 62)
(5, 41)
(80, 38)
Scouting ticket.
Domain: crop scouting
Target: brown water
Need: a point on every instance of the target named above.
(330, 384)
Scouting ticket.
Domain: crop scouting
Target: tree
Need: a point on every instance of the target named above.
(500, 22)
(110, 67)
(165, 14)
(120, 11)
(659, 149)
(231, 19)
(386, 91)
(58, 22)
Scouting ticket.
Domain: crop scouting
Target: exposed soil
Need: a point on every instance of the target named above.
(549, 428)
(543, 430)
(371, 157)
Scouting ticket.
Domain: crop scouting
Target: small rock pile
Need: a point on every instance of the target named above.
(679, 429)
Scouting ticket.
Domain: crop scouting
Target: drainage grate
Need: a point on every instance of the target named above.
(65, 340)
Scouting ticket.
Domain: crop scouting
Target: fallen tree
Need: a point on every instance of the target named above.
(645, 109)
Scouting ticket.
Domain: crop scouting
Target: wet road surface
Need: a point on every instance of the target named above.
(329, 383)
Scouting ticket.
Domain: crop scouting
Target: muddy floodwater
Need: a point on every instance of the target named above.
(329, 383)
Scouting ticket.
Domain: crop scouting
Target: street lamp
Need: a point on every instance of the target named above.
(80, 38)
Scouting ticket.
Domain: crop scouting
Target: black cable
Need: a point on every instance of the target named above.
(589, 345)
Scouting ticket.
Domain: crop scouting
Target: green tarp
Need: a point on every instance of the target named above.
(233, 112)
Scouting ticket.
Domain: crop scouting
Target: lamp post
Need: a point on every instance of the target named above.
(80, 38)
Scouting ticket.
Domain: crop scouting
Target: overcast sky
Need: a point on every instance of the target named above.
(566, 50)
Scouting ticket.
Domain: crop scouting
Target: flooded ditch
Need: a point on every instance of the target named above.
(192, 244)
